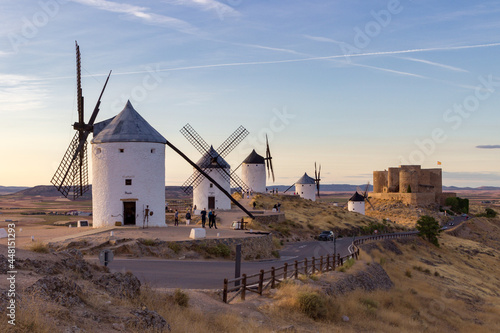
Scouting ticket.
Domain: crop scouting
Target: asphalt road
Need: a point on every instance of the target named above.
(210, 274)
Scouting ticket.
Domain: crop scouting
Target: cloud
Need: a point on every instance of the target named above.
(20, 94)
(488, 146)
(141, 13)
(322, 39)
(455, 69)
(221, 9)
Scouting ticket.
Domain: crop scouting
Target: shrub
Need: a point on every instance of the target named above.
(429, 229)
(148, 242)
(275, 253)
(39, 247)
(312, 304)
(220, 250)
(408, 273)
(488, 212)
(458, 205)
(181, 298)
(174, 247)
(369, 303)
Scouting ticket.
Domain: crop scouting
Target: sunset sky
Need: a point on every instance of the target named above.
(354, 85)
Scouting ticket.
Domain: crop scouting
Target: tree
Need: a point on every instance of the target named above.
(408, 189)
(458, 205)
(429, 229)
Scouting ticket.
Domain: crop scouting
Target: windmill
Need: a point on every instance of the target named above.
(307, 187)
(364, 194)
(72, 174)
(212, 162)
(253, 172)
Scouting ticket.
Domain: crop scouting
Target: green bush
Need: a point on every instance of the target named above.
(39, 247)
(488, 212)
(429, 229)
(147, 242)
(220, 250)
(408, 273)
(275, 253)
(181, 298)
(458, 205)
(369, 303)
(312, 304)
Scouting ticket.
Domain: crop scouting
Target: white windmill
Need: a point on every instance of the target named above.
(307, 187)
(356, 203)
(253, 170)
(205, 193)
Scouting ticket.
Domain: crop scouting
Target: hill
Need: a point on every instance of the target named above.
(11, 189)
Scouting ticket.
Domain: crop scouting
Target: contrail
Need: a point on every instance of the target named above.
(255, 63)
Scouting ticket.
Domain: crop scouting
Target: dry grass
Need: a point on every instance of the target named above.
(38, 247)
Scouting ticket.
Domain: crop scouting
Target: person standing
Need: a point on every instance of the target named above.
(176, 218)
(188, 218)
(210, 218)
(214, 224)
(203, 217)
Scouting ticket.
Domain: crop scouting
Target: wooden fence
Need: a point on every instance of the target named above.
(257, 283)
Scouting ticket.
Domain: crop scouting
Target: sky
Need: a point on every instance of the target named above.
(355, 86)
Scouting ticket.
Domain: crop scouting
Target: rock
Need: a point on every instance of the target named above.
(345, 318)
(74, 329)
(147, 319)
(118, 327)
(372, 278)
(72, 253)
(4, 264)
(41, 267)
(79, 266)
(62, 291)
(120, 285)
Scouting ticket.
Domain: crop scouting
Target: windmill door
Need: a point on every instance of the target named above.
(129, 213)
(211, 202)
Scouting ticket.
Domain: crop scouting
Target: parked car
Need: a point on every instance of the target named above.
(326, 236)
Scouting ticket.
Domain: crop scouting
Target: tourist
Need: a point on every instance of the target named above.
(210, 217)
(188, 218)
(176, 218)
(203, 217)
(214, 224)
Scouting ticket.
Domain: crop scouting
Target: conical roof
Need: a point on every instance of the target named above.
(305, 179)
(254, 158)
(357, 197)
(127, 126)
(212, 160)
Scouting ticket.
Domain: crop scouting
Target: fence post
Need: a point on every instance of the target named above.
(313, 265)
(224, 294)
(327, 262)
(296, 273)
(273, 277)
(321, 264)
(243, 291)
(261, 281)
(285, 269)
(305, 266)
(339, 260)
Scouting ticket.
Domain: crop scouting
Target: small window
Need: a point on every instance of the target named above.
(211, 185)
(153, 150)
(98, 151)
(121, 150)
(128, 181)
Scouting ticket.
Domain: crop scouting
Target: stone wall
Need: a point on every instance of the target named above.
(270, 218)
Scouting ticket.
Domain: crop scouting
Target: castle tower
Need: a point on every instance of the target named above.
(306, 187)
(206, 194)
(128, 176)
(356, 204)
(253, 172)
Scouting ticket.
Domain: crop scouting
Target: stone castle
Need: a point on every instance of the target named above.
(410, 184)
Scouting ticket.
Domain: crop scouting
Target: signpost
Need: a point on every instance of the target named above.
(106, 257)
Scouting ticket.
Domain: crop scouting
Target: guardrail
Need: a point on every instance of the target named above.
(258, 282)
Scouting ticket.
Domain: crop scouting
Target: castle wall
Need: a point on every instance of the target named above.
(379, 181)
(409, 176)
(393, 180)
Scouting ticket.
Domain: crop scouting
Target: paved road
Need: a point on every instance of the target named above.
(202, 274)
(198, 274)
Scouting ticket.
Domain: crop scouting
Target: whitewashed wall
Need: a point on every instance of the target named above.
(356, 206)
(254, 175)
(306, 191)
(203, 191)
(111, 168)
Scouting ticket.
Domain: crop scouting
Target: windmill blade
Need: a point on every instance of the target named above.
(71, 172)
(79, 94)
(195, 139)
(315, 172)
(271, 166)
(370, 203)
(233, 172)
(232, 141)
(97, 105)
(289, 188)
(365, 194)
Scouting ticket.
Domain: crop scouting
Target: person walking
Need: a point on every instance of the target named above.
(188, 218)
(254, 204)
(203, 217)
(176, 218)
(210, 217)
